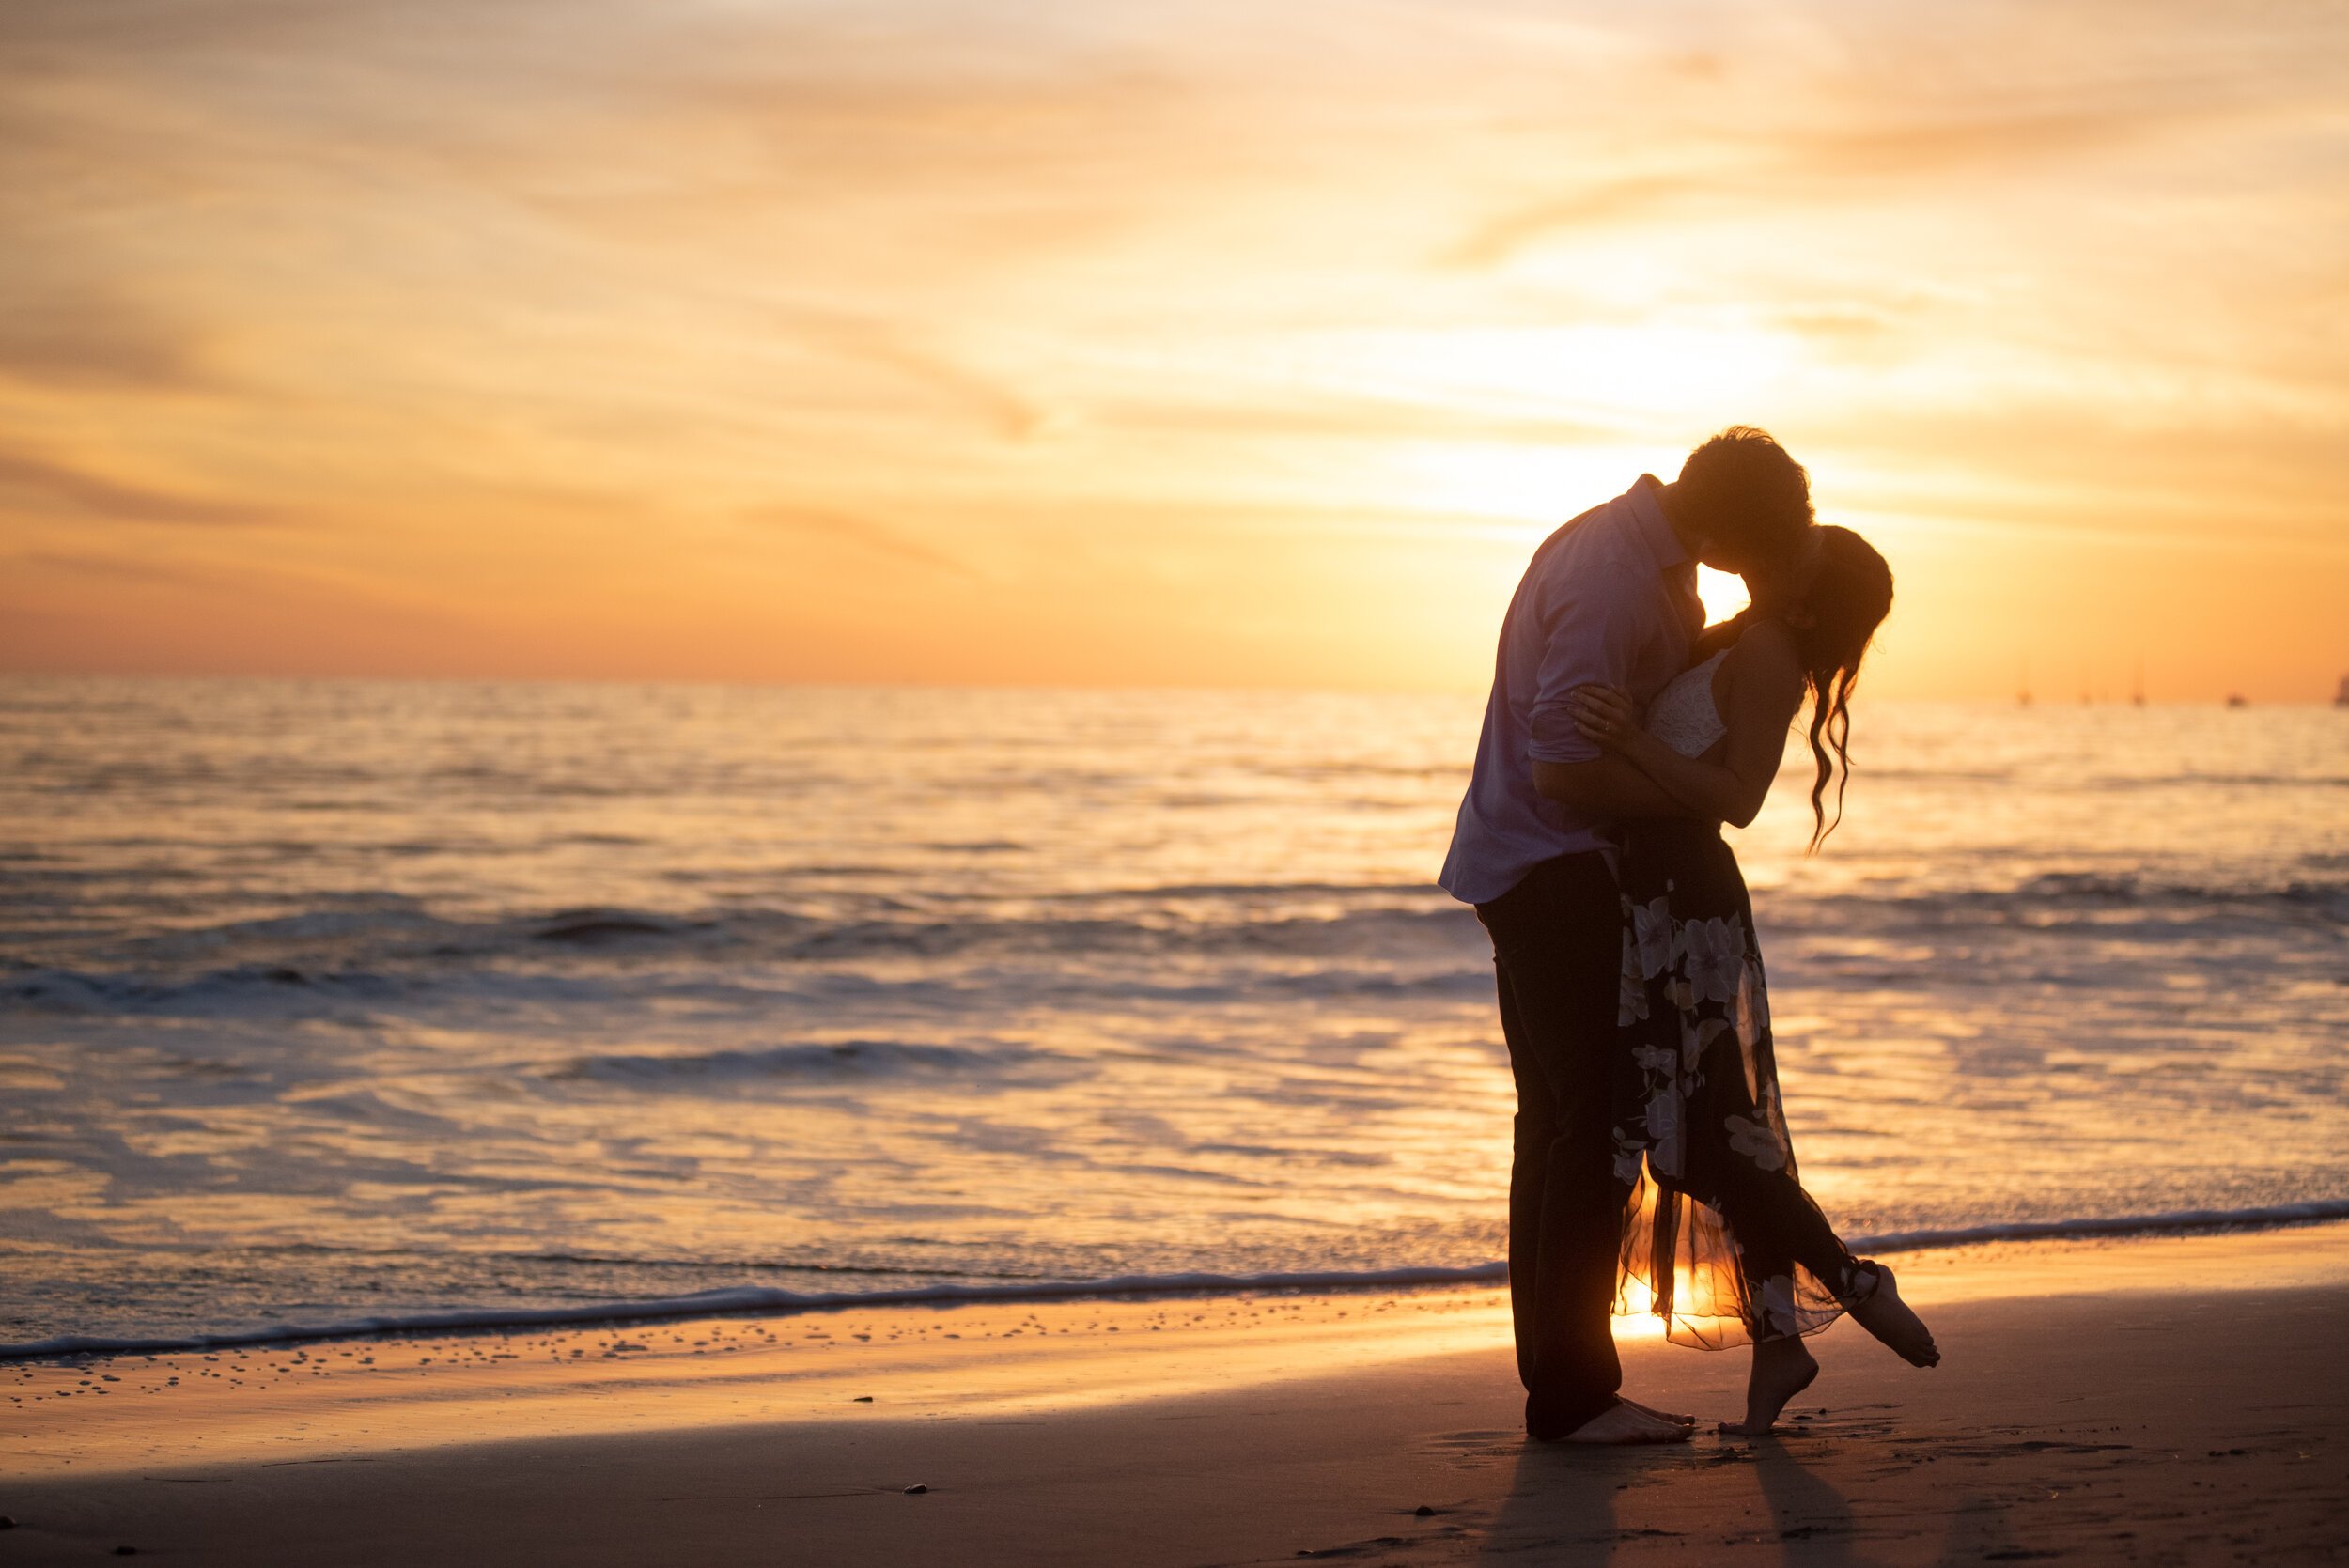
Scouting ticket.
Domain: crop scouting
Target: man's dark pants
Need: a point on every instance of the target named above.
(1558, 951)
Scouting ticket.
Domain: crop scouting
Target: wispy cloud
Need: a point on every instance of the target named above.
(1309, 413)
(993, 401)
(76, 340)
(31, 484)
(113, 568)
(862, 533)
(1792, 168)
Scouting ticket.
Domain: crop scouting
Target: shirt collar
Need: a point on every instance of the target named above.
(1654, 528)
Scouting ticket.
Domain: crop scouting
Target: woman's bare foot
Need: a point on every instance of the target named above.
(1781, 1370)
(1883, 1313)
(1622, 1423)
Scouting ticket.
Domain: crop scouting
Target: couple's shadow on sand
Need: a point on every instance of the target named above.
(1576, 1507)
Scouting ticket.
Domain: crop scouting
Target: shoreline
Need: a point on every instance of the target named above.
(2099, 1398)
(754, 1301)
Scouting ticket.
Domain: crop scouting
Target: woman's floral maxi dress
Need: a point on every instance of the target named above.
(1720, 1239)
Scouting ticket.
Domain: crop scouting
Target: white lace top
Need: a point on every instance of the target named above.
(1683, 716)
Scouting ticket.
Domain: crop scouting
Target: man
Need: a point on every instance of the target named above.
(1611, 597)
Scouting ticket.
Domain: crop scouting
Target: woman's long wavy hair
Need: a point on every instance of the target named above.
(1847, 601)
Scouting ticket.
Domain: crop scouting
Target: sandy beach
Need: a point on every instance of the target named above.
(2170, 1400)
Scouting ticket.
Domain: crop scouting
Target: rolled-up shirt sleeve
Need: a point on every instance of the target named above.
(1595, 632)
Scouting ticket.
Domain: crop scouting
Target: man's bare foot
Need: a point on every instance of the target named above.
(1622, 1423)
(1781, 1370)
(1883, 1313)
(1660, 1414)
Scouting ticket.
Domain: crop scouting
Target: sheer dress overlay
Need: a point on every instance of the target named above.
(1719, 1239)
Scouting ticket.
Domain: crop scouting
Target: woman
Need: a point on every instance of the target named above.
(1721, 1240)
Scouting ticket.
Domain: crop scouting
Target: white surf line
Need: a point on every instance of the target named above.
(765, 1300)
(752, 1298)
(2133, 1224)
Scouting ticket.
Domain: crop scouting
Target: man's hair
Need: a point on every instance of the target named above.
(1741, 488)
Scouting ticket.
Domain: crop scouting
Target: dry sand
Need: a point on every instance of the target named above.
(2176, 1401)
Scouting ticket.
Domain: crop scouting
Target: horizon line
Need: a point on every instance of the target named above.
(1039, 686)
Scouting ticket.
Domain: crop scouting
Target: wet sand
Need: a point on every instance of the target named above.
(2162, 1401)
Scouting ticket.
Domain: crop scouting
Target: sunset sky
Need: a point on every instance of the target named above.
(1198, 344)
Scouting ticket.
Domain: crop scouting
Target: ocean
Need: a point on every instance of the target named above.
(331, 1003)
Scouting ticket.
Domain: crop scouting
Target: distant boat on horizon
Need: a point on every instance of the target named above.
(2237, 699)
(2341, 698)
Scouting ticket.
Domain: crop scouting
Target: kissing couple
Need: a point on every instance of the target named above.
(1652, 1167)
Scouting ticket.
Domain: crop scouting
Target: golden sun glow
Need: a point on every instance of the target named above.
(706, 341)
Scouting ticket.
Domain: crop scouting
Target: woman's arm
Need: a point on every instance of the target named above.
(1764, 684)
(1610, 785)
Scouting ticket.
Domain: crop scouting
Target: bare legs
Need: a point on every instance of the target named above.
(1782, 1368)
(1882, 1313)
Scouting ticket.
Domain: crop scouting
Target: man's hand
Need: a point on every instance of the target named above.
(1606, 715)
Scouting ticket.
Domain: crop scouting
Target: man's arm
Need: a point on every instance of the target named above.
(1595, 626)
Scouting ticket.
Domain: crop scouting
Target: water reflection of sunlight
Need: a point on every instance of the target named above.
(1635, 1313)
(673, 978)
(1702, 1305)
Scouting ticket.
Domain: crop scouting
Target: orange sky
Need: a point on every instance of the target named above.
(1190, 343)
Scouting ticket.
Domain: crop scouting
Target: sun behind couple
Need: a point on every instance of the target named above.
(1652, 1163)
